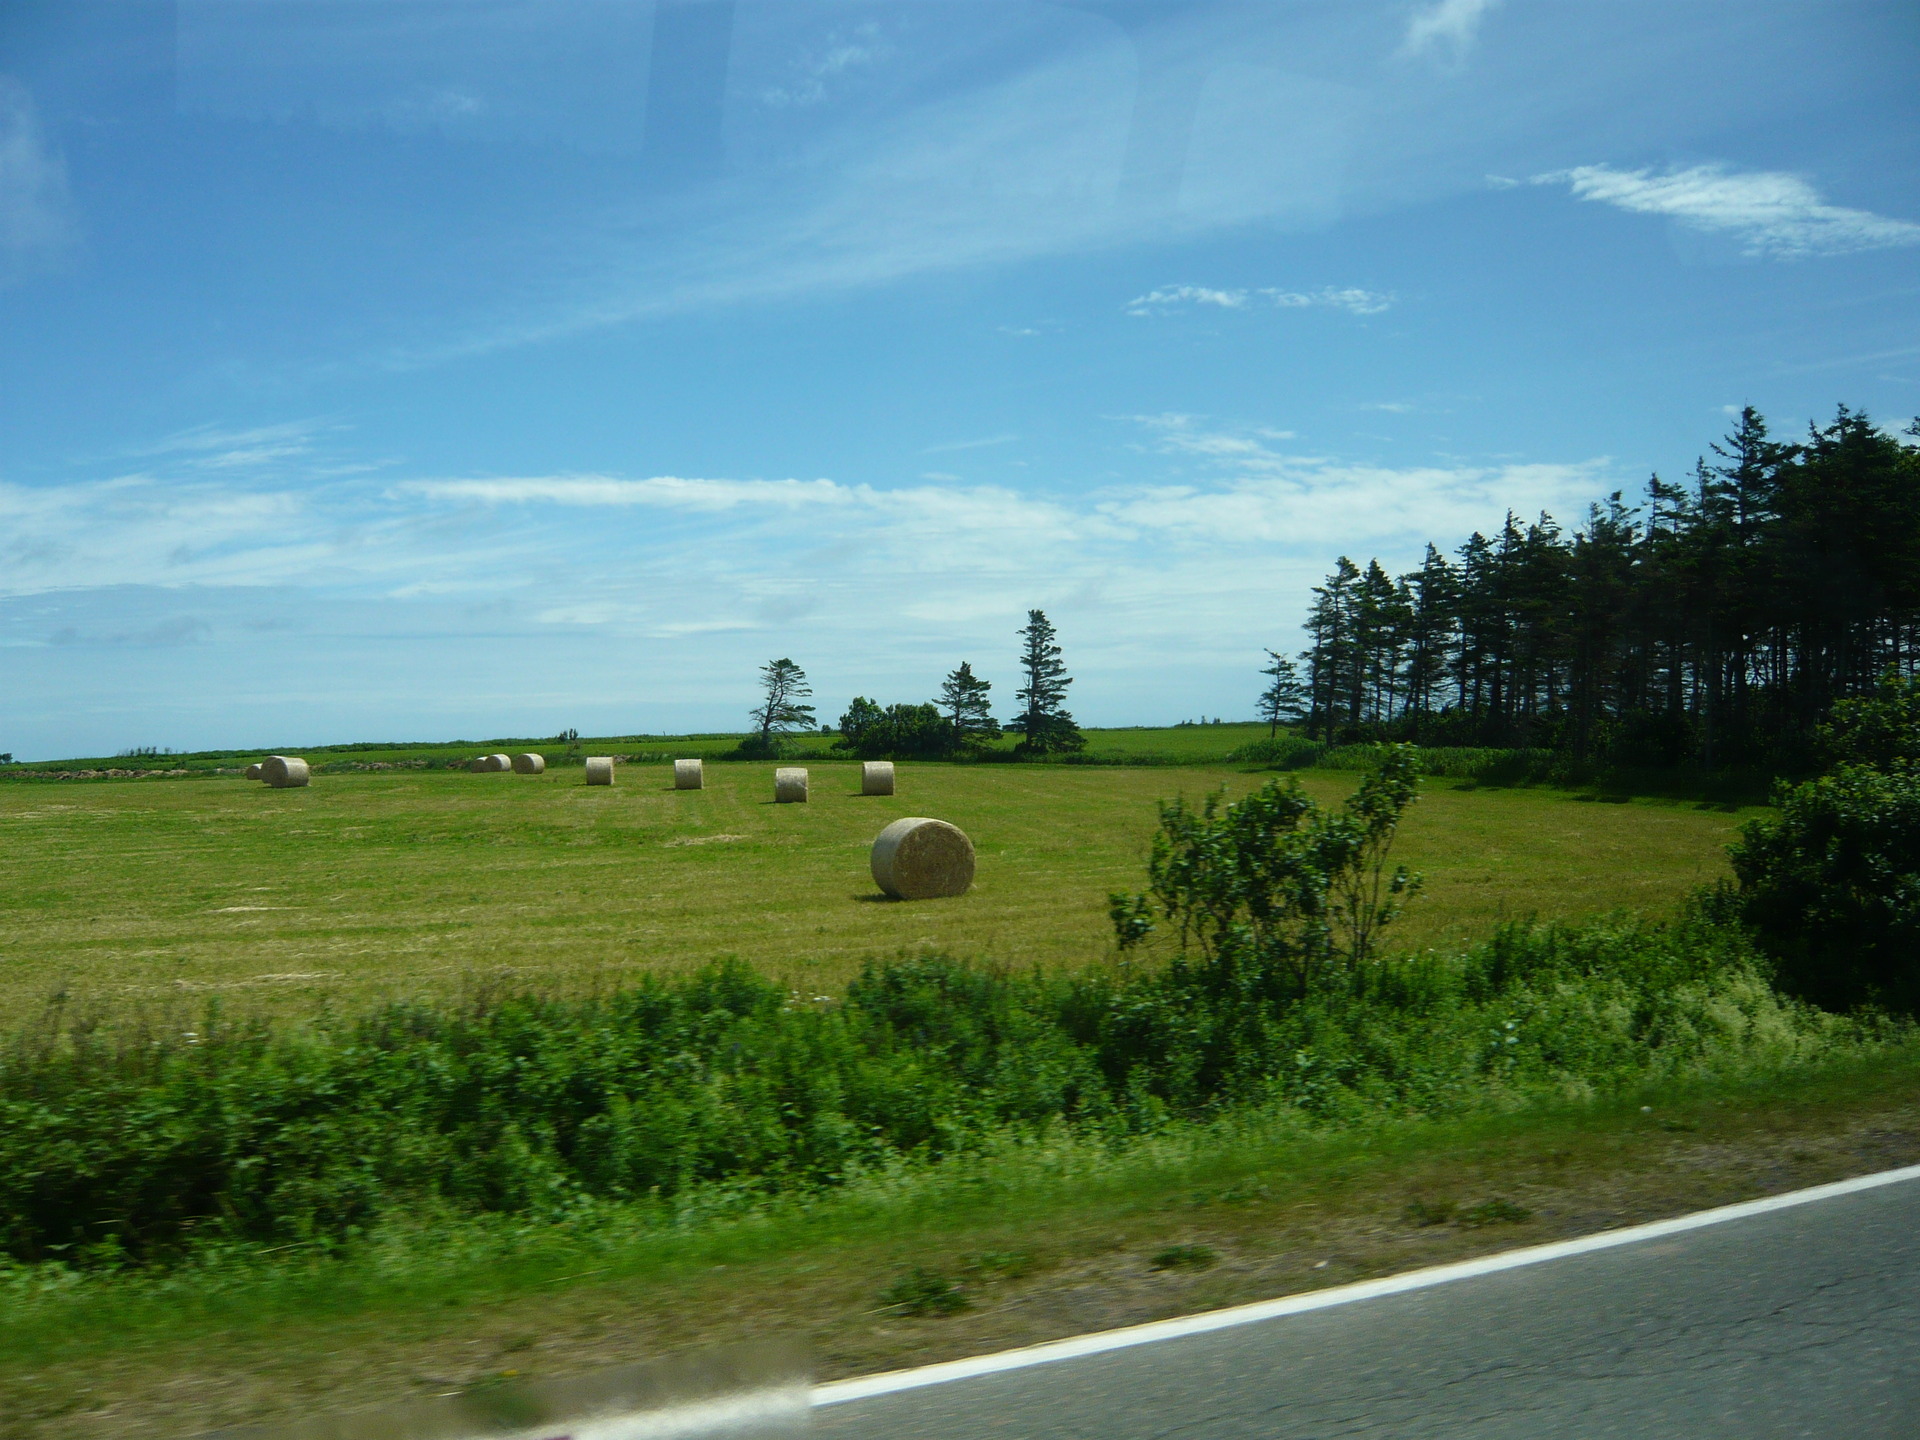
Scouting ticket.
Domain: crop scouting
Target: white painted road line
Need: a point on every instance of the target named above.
(866, 1387)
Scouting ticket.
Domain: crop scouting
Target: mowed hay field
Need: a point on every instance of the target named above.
(371, 886)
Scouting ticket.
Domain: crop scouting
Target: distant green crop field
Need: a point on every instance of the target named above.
(432, 881)
(1182, 744)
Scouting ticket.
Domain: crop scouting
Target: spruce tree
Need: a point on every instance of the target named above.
(963, 695)
(1043, 723)
(1285, 700)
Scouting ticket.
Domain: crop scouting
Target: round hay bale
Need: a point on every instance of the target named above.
(285, 772)
(529, 764)
(790, 785)
(480, 764)
(599, 770)
(921, 859)
(499, 764)
(689, 775)
(252, 772)
(876, 777)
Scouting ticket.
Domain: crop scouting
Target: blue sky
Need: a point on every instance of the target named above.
(379, 370)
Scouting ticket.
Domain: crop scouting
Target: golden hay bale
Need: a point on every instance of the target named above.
(284, 772)
(529, 764)
(252, 772)
(921, 859)
(876, 777)
(790, 785)
(599, 770)
(689, 775)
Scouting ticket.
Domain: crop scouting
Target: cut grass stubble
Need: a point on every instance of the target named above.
(420, 884)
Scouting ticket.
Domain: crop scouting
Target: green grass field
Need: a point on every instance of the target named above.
(432, 881)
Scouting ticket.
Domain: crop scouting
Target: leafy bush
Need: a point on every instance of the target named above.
(1831, 887)
(899, 732)
(1282, 752)
(1272, 891)
(1881, 731)
(127, 1148)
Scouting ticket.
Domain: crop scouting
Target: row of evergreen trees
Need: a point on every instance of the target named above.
(1716, 625)
(959, 722)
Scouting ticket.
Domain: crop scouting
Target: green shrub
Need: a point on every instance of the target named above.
(1282, 752)
(1831, 888)
(923, 1292)
(132, 1148)
(1881, 731)
(899, 732)
(1184, 1257)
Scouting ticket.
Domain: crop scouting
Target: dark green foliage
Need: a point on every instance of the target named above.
(964, 695)
(1714, 626)
(1284, 701)
(130, 1148)
(923, 1292)
(1183, 1257)
(1881, 731)
(1043, 724)
(1283, 752)
(784, 688)
(899, 732)
(1831, 888)
(1273, 892)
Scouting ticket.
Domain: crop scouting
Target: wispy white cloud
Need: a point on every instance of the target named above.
(1352, 299)
(820, 70)
(1447, 25)
(1174, 297)
(37, 215)
(1769, 212)
(981, 444)
(1190, 568)
(667, 492)
(1169, 298)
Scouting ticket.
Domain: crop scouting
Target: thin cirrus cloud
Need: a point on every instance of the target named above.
(667, 492)
(37, 216)
(1168, 299)
(1771, 213)
(1448, 26)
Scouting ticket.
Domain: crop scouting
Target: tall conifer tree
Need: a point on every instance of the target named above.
(1043, 723)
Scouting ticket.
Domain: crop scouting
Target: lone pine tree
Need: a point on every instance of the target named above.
(963, 695)
(1283, 702)
(781, 708)
(1043, 723)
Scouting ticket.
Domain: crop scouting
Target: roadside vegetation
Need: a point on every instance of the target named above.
(1282, 959)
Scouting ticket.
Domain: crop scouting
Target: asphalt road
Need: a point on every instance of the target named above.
(1799, 1322)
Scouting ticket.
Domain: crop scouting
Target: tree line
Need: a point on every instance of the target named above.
(1715, 624)
(959, 722)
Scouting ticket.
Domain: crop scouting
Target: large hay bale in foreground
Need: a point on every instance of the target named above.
(529, 764)
(252, 772)
(689, 775)
(599, 770)
(285, 772)
(921, 859)
(876, 777)
(790, 785)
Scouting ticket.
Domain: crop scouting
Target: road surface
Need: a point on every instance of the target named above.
(1801, 1321)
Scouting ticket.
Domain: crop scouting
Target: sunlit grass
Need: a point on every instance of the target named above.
(418, 882)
